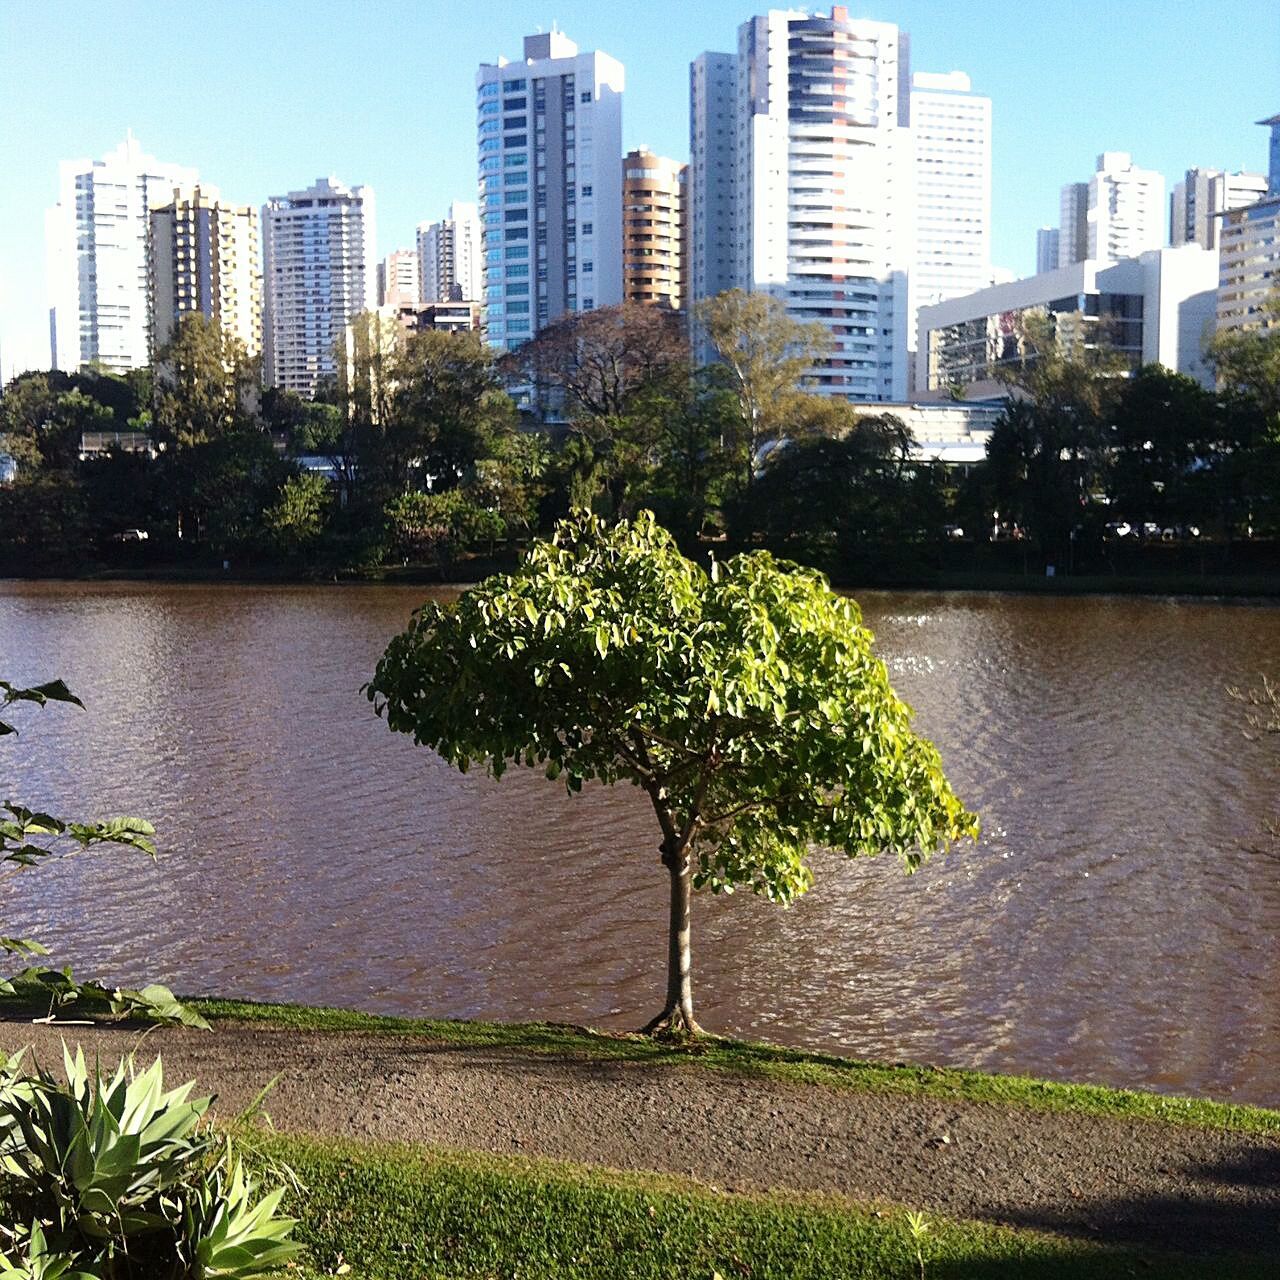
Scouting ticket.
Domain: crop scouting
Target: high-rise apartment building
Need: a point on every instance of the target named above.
(550, 152)
(319, 268)
(97, 253)
(203, 256)
(1249, 251)
(713, 96)
(1126, 209)
(1199, 200)
(653, 266)
(951, 127)
(823, 187)
(450, 265)
(1047, 239)
(1119, 213)
(1073, 223)
(399, 278)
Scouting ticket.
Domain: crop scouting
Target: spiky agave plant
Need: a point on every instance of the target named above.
(119, 1177)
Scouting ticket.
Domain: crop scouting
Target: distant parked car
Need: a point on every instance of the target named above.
(952, 531)
(131, 535)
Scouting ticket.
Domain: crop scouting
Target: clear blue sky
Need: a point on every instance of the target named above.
(265, 95)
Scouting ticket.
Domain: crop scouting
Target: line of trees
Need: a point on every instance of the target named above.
(417, 451)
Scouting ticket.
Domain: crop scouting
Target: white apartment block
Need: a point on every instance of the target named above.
(1249, 259)
(823, 191)
(549, 131)
(713, 91)
(1157, 307)
(204, 260)
(97, 256)
(319, 268)
(399, 278)
(952, 130)
(1126, 209)
(451, 267)
(1203, 195)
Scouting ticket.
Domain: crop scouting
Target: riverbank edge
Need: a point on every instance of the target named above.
(1243, 588)
(743, 1057)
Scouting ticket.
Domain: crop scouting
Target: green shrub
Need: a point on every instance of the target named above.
(115, 1177)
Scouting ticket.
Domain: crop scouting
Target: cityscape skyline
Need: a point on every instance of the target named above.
(309, 134)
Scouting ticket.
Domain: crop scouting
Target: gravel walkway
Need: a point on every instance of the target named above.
(1106, 1179)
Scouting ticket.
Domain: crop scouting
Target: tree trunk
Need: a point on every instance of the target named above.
(677, 1015)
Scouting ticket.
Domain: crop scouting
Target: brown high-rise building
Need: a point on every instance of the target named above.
(653, 229)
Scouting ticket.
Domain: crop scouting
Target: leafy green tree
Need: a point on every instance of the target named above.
(746, 704)
(205, 383)
(449, 407)
(1050, 453)
(1247, 363)
(296, 520)
(1167, 436)
(44, 523)
(764, 358)
(848, 495)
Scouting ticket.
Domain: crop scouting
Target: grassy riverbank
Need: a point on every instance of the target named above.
(714, 1053)
(389, 1213)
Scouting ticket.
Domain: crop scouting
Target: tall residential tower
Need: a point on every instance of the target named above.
(952, 130)
(1199, 200)
(653, 219)
(450, 265)
(550, 151)
(97, 254)
(319, 267)
(204, 260)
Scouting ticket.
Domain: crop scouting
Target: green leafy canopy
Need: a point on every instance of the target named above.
(746, 701)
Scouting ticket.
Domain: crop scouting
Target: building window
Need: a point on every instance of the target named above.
(518, 308)
(516, 140)
(489, 90)
(488, 144)
(586, 188)
(585, 96)
(588, 303)
(489, 164)
(513, 86)
(587, 268)
(517, 195)
(587, 228)
(514, 104)
(517, 233)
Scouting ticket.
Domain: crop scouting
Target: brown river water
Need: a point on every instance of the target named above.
(1117, 923)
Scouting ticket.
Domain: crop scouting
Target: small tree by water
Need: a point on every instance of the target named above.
(745, 702)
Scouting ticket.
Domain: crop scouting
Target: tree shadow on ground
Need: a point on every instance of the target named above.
(1232, 1205)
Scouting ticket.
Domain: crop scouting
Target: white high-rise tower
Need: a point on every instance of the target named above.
(319, 260)
(97, 251)
(824, 179)
(1126, 209)
(952, 131)
(550, 150)
(450, 265)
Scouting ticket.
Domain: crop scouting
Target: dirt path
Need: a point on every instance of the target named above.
(1107, 1179)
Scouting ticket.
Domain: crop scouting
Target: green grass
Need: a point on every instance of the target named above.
(714, 1053)
(404, 1213)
